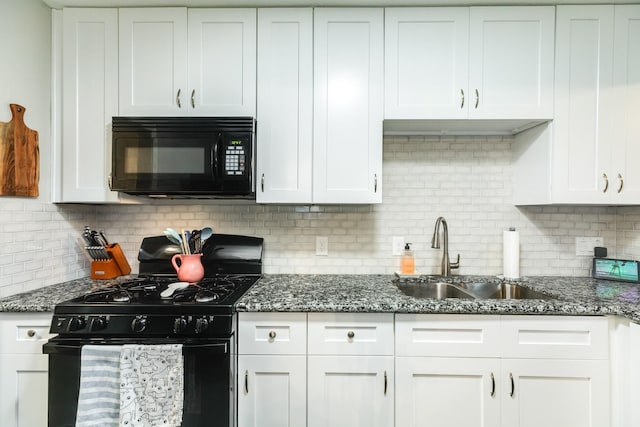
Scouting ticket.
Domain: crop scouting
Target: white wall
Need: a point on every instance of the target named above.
(37, 245)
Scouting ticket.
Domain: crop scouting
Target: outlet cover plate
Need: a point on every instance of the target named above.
(397, 246)
(322, 245)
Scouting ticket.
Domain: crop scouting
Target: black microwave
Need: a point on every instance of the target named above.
(198, 157)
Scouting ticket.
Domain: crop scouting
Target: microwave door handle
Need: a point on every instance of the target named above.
(214, 156)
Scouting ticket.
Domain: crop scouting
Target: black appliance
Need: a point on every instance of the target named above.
(143, 310)
(184, 157)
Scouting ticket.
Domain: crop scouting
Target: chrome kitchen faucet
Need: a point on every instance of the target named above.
(435, 244)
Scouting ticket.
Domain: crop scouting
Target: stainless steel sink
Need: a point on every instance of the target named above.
(484, 290)
(470, 290)
(439, 290)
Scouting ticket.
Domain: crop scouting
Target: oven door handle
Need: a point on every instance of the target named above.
(76, 348)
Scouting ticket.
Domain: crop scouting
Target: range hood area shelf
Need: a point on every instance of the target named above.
(458, 127)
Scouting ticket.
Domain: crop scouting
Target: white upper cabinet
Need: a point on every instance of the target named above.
(222, 62)
(511, 62)
(348, 105)
(89, 100)
(469, 63)
(626, 83)
(179, 62)
(426, 63)
(587, 155)
(153, 61)
(285, 105)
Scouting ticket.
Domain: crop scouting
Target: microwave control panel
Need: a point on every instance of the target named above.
(235, 158)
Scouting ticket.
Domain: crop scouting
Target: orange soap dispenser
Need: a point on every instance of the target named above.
(407, 263)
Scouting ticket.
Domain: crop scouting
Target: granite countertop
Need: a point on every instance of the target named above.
(377, 293)
(371, 293)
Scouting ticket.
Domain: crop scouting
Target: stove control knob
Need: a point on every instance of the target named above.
(179, 325)
(201, 325)
(77, 323)
(139, 324)
(98, 323)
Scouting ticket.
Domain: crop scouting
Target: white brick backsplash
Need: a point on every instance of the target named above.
(465, 179)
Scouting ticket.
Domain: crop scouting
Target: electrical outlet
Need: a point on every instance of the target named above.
(397, 246)
(585, 245)
(322, 245)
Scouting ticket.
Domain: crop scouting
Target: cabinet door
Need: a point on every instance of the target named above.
(626, 77)
(285, 105)
(348, 111)
(222, 62)
(272, 391)
(24, 379)
(583, 123)
(433, 389)
(426, 63)
(511, 62)
(555, 393)
(347, 391)
(153, 61)
(89, 100)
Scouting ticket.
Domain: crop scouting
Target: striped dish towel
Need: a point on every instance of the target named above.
(99, 396)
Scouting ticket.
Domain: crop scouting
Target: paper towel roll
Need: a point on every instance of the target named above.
(511, 254)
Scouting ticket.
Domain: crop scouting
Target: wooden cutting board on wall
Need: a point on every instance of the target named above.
(19, 156)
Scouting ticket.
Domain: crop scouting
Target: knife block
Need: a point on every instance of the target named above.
(116, 265)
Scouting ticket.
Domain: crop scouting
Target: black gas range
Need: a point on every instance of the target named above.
(154, 308)
(157, 304)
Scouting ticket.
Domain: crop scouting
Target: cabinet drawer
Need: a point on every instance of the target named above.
(351, 333)
(272, 333)
(555, 337)
(452, 335)
(24, 333)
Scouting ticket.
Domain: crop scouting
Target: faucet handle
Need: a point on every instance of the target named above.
(455, 264)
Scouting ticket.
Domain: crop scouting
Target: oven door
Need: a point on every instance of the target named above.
(208, 379)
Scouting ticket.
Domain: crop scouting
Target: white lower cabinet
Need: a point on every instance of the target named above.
(555, 393)
(350, 391)
(518, 371)
(410, 370)
(447, 391)
(272, 391)
(23, 369)
(272, 366)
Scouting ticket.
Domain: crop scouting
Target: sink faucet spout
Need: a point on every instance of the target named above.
(446, 265)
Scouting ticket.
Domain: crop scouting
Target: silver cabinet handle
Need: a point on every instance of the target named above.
(606, 182)
(262, 183)
(461, 99)
(375, 183)
(109, 182)
(193, 98)
(513, 385)
(493, 385)
(621, 183)
(350, 335)
(385, 383)
(272, 335)
(246, 382)
(477, 98)
(31, 333)
(178, 99)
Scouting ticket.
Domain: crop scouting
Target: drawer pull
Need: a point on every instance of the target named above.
(178, 99)
(31, 333)
(493, 385)
(246, 382)
(193, 98)
(350, 335)
(513, 386)
(461, 98)
(477, 99)
(606, 182)
(272, 335)
(621, 183)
